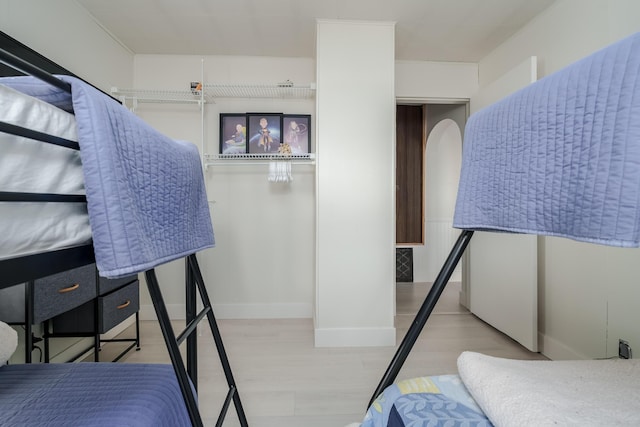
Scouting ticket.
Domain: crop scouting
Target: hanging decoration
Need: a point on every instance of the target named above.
(280, 170)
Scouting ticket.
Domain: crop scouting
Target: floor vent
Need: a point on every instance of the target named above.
(404, 264)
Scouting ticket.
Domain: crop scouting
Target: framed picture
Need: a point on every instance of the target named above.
(233, 133)
(296, 131)
(264, 132)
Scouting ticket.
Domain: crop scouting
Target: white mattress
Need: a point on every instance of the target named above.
(36, 167)
(517, 393)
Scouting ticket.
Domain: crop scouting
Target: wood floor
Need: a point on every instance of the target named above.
(284, 381)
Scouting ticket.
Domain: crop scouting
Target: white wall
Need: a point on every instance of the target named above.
(65, 33)
(588, 295)
(355, 184)
(426, 80)
(264, 260)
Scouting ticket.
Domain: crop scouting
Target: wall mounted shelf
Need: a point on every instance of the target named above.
(257, 158)
(132, 97)
(277, 91)
(153, 96)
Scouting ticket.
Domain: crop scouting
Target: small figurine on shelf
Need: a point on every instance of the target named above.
(284, 149)
(196, 88)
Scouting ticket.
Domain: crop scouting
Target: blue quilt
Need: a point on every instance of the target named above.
(439, 401)
(560, 157)
(91, 394)
(146, 197)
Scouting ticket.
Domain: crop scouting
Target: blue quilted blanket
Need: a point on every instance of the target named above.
(146, 197)
(560, 157)
(91, 394)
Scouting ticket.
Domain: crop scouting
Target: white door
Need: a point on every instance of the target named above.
(502, 268)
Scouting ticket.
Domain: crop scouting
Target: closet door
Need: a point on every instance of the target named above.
(503, 268)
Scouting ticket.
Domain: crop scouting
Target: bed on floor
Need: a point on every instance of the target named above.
(560, 157)
(83, 180)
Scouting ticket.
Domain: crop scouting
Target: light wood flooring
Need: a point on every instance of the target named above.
(284, 381)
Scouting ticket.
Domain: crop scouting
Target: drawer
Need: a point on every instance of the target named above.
(117, 306)
(61, 292)
(12, 304)
(107, 285)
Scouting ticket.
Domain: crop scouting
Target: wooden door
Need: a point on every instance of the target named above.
(409, 174)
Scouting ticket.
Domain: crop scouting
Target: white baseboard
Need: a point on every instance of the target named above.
(263, 311)
(86, 342)
(556, 350)
(175, 311)
(116, 330)
(238, 311)
(355, 337)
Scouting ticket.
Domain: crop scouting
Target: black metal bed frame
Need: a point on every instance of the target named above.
(423, 314)
(28, 268)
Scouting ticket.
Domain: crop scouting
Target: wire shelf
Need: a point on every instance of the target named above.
(282, 91)
(257, 158)
(213, 91)
(161, 96)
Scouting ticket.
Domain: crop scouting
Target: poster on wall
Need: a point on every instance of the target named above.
(296, 131)
(233, 133)
(264, 134)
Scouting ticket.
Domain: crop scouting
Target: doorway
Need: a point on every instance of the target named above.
(437, 143)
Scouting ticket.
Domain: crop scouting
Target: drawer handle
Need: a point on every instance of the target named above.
(69, 289)
(126, 304)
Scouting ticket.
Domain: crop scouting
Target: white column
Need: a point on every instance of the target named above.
(355, 170)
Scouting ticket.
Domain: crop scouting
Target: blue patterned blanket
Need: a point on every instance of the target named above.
(562, 156)
(146, 196)
(437, 401)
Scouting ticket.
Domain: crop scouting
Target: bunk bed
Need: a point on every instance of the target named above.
(560, 157)
(85, 181)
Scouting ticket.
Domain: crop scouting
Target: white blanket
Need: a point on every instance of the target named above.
(559, 393)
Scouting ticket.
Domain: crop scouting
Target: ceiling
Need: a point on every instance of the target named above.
(428, 30)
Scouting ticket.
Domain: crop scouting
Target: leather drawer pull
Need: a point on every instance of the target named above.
(69, 289)
(126, 304)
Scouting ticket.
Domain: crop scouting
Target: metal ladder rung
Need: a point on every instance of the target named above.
(188, 381)
(225, 406)
(192, 325)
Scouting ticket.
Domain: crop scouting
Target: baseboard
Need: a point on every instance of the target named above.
(556, 350)
(238, 311)
(175, 312)
(79, 350)
(355, 337)
(263, 311)
(86, 343)
(119, 328)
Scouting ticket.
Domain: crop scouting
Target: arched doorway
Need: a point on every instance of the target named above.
(443, 157)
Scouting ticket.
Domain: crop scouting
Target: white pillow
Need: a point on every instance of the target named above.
(8, 342)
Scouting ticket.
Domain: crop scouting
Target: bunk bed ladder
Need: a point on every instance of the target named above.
(187, 378)
(423, 314)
